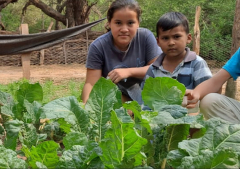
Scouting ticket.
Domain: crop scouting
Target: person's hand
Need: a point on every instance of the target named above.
(117, 75)
(192, 98)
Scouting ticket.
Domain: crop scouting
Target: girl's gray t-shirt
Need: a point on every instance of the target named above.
(105, 56)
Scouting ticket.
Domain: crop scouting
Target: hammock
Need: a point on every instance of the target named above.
(16, 44)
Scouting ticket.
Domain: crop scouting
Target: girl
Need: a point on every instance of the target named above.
(123, 54)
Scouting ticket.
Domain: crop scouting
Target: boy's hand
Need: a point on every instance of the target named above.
(192, 98)
(117, 75)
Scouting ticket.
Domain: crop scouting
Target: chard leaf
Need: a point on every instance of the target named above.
(139, 121)
(12, 128)
(175, 134)
(118, 104)
(142, 125)
(33, 111)
(40, 165)
(121, 143)
(80, 156)
(100, 103)
(64, 125)
(74, 138)
(96, 163)
(162, 91)
(30, 137)
(220, 146)
(176, 111)
(9, 159)
(69, 109)
(45, 153)
(8, 103)
(30, 92)
(164, 118)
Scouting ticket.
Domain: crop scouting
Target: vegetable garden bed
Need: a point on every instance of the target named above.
(101, 134)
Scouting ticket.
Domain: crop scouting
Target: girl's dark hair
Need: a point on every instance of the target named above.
(119, 4)
(171, 20)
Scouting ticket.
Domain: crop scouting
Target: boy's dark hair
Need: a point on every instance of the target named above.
(171, 20)
(119, 4)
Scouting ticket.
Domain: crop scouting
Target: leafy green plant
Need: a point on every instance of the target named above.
(64, 133)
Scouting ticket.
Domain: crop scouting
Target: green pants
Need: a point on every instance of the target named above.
(217, 105)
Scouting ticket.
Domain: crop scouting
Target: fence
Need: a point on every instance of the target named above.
(215, 51)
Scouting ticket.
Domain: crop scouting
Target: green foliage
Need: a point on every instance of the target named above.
(9, 159)
(45, 153)
(103, 135)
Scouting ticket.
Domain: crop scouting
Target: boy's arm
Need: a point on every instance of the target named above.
(212, 85)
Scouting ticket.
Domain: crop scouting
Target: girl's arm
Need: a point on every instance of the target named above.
(117, 75)
(92, 76)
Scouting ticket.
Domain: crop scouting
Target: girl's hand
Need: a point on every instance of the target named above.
(117, 75)
(192, 98)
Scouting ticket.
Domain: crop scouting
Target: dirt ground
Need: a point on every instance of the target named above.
(58, 74)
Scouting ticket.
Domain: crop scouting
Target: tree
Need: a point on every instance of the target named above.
(4, 3)
(68, 12)
(231, 85)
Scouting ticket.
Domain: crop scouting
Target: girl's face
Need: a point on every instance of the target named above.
(124, 25)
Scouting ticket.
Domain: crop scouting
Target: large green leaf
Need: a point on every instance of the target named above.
(80, 156)
(175, 134)
(29, 135)
(140, 121)
(176, 111)
(30, 92)
(9, 159)
(32, 111)
(74, 138)
(165, 117)
(45, 153)
(12, 128)
(142, 125)
(162, 91)
(7, 104)
(69, 109)
(101, 101)
(220, 146)
(121, 143)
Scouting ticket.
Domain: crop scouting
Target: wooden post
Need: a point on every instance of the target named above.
(42, 56)
(65, 52)
(196, 38)
(26, 56)
(43, 51)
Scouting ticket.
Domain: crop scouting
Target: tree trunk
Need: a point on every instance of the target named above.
(231, 85)
(70, 14)
(60, 6)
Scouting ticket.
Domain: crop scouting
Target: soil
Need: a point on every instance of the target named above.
(56, 73)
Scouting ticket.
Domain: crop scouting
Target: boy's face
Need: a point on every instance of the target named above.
(174, 41)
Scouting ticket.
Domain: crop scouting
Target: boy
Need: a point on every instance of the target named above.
(213, 104)
(177, 61)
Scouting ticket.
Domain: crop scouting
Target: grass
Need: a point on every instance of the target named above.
(51, 91)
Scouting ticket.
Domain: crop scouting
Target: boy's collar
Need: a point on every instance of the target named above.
(190, 56)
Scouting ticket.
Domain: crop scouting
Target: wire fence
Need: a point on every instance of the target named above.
(215, 51)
